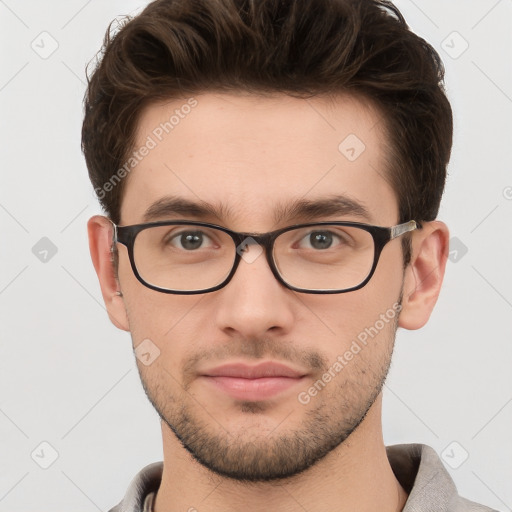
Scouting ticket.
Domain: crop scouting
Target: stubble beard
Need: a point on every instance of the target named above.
(259, 455)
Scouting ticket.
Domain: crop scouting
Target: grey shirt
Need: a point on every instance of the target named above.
(417, 467)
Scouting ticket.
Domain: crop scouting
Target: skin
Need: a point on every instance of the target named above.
(253, 153)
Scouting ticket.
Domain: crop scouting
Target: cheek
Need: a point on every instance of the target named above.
(167, 322)
(152, 314)
(341, 319)
(163, 319)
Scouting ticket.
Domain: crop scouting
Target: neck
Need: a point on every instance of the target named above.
(354, 476)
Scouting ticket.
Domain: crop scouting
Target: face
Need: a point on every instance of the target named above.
(249, 158)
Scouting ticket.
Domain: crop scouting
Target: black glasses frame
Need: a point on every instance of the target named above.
(381, 236)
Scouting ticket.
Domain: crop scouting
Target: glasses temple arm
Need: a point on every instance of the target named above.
(400, 229)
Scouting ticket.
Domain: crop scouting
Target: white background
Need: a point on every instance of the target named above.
(68, 377)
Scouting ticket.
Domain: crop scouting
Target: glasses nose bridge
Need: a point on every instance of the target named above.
(264, 240)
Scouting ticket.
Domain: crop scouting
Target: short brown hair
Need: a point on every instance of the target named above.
(304, 48)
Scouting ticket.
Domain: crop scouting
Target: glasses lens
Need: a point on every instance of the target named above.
(324, 257)
(183, 257)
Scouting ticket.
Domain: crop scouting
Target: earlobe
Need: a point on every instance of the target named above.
(100, 231)
(424, 274)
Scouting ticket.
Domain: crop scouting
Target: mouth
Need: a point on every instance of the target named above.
(255, 383)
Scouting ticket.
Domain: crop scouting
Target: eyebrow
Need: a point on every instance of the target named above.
(303, 209)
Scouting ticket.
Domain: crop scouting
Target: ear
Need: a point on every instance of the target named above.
(424, 274)
(100, 232)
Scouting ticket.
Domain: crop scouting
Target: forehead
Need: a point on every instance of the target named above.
(251, 156)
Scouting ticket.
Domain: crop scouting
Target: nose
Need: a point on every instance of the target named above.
(254, 303)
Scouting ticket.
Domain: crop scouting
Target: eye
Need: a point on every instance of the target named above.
(188, 240)
(323, 239)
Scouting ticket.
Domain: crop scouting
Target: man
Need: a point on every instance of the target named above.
(271, 174)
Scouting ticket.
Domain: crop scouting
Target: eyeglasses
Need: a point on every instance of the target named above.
(188, 257)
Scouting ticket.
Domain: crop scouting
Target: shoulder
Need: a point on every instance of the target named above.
(146, 481)
(422, 474)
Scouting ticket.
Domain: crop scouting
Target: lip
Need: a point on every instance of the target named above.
(260, 382)
(244, 371)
